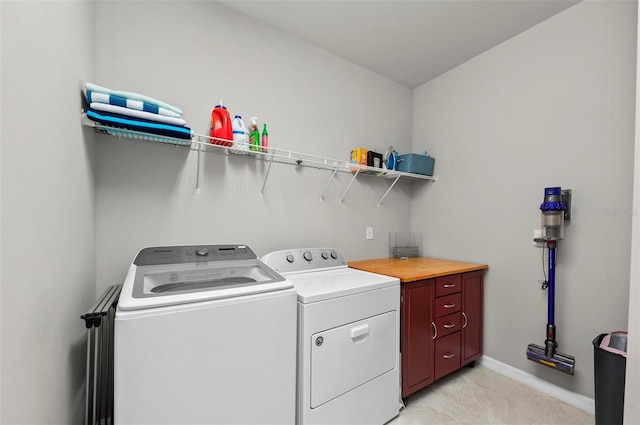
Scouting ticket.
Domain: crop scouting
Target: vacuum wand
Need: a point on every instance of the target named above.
(552, 230)
(550, 343)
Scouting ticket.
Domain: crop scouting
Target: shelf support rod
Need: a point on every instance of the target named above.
(266, 176)
(389, 190)
(198, 170)
(348, 187)
(335, 170)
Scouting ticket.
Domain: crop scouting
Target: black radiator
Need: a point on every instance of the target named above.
(99, 320)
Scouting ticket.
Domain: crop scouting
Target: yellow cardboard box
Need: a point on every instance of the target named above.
(359, 156)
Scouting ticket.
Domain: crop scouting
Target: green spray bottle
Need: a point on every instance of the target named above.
(254, 135)
(265, 138)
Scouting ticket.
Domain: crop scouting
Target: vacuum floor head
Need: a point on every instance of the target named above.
(559, 361)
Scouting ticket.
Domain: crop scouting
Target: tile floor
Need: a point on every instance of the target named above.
(482, 396)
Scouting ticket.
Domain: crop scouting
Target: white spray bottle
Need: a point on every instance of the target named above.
(254, 136)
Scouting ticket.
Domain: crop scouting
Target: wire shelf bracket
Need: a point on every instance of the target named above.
(266, 176)
(355, 175)
(333, 174)
(389, 190)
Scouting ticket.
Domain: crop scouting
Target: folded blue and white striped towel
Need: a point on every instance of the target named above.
(136, 105)
(94, 89)
(136, 114)
(137, 125)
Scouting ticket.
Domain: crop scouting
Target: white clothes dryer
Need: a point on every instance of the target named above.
(204, 335)
(348, 338)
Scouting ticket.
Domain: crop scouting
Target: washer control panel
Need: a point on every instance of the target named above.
(154, 256)
(297, 260)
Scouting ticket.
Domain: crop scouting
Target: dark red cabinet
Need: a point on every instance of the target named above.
(441, 321)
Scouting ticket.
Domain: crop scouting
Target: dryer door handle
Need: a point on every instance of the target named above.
(359, 331)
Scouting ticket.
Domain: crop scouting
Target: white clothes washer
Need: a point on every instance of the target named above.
(348, 338)
(204, 335)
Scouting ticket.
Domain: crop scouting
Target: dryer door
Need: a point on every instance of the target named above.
(348, 356)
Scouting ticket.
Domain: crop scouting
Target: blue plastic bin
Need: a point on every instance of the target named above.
(416, 164)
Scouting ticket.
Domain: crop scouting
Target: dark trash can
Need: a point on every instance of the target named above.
(609, 364)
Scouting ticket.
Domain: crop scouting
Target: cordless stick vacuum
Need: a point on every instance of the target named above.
(553, 211)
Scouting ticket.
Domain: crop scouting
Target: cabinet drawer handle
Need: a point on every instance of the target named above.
(435, 331)
(450, 325)
(450, 285)
(465, 320)
(449, 355)
(449, 305)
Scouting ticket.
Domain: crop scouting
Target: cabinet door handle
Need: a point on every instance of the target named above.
(450, 325)
(449, 305)
(465, 320)
(449, 355)
(435, 331)
(450, 285)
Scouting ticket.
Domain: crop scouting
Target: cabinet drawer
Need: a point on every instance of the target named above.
(448, 324)
(447, 355)
(447, 305)
(446, 285)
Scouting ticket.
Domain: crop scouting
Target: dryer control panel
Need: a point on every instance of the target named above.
(304, 259)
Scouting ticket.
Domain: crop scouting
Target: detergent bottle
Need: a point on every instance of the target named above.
(265, 138)
(254, 137)
(240, 136)
(221, 127)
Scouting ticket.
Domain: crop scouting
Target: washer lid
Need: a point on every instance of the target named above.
(177, 275)
(322, 285)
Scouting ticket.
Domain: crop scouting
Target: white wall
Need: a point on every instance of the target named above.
(48, 214)
(553, 106)
(312, 101)
(632, 378)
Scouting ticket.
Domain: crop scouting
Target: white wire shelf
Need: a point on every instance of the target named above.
(202, 143)
(304, 160)
(301, 159)
(133, 134)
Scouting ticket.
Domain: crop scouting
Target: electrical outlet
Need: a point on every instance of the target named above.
(537, 234)
(369, 232)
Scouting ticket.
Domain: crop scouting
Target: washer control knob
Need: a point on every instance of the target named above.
(325, 255)
(289, 258)
(202, 252)
(334, 255)
(307, 255)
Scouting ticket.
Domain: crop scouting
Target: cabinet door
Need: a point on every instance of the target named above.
(417, 343)
(472, 316)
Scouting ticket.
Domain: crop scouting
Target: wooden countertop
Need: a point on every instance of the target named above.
(412, 269)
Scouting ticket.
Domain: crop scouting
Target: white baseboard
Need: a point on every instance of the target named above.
(577, 400)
